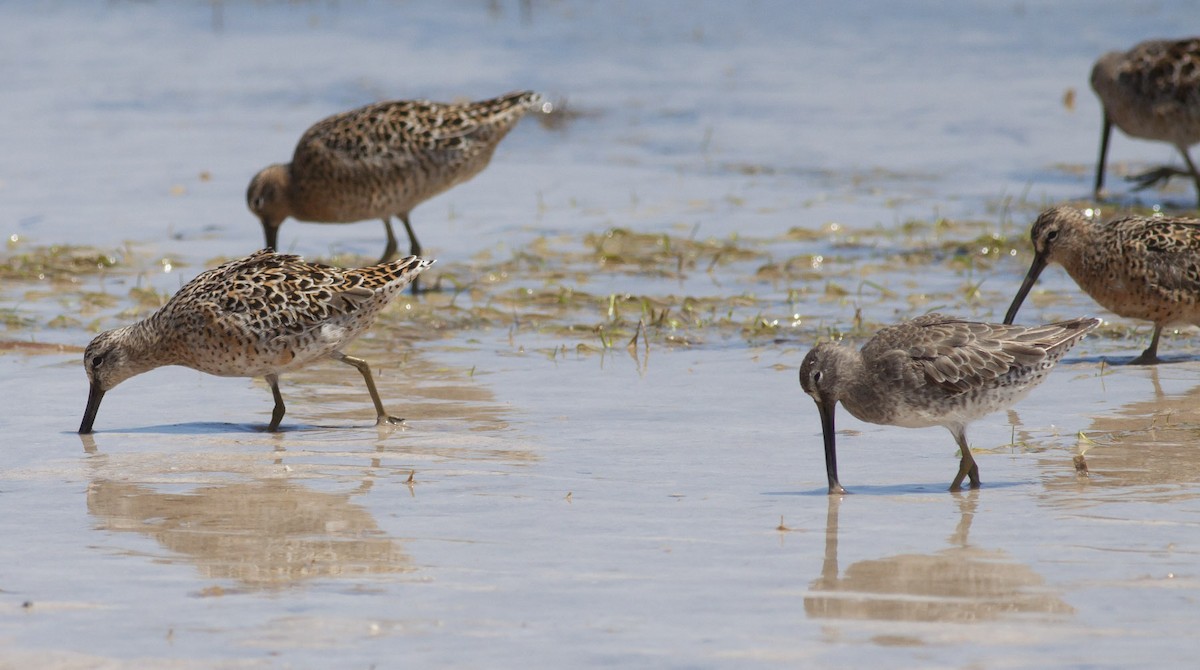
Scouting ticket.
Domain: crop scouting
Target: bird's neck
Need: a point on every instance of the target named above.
(859, 392)
(146, 346)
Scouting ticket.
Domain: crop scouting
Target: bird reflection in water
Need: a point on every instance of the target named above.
(960, 583)
(264, 534)
(1147, 444)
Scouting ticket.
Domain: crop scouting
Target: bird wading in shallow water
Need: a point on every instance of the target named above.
(1135, 266)
(1151, 92)
(258, 316)
(382, 160)
(934, 370)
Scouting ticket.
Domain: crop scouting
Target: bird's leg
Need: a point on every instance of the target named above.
(277, 413)
(414, 249)
(967, 467)
(382, 417)
(389, 252)
(1192, 166)
(1105, 132)
(1150, 355)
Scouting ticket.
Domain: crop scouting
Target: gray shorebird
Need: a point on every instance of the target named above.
(382, 160)
(1135, 266)
(1151, 92)
(258, 316)
(934, 370)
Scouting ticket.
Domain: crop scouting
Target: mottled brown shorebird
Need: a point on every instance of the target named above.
(382, 160)
(933, 371)
(1134, 266)
(1151, 92)
(258, 316)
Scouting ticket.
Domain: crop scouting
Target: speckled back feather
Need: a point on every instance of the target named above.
(1163, 70)
(270, 312)
(402, 129)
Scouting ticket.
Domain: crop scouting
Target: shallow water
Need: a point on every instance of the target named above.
(556, 497)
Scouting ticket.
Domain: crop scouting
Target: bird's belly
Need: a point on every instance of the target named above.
(1136, 300)
(966, 407)
(272, 355)
(1173, 123)
(369, 193)
(351, 206)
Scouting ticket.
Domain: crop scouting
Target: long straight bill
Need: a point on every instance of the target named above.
(826, 412)
(1035, 269)
(95, 395)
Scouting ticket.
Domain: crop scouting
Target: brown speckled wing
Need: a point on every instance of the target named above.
(269, 294)
(1172, 253)
(408, 132)
(1164, 70)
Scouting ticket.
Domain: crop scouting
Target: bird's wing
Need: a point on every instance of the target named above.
(409, 133)
(1172, 254)
(269, 293)
(955, 355)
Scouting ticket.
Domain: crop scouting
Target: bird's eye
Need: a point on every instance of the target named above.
(817, 376)
(97, 362)
(1052, 235)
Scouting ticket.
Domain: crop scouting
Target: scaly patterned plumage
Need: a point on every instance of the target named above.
(1135, 266)
(934, 370)
(257, 316)
(382, 160)
(1151, 92)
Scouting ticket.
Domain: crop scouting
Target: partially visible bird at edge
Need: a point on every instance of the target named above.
(1138, 267)
(1151, 92)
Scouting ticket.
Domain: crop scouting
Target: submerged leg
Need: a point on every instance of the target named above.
(389, 252)
(1150, 355)
(1104, 135)
(967, 468)
(277, 413)
(382, 417)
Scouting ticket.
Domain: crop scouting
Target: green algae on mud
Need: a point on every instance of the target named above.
(59, 262)
(764, 286)
(544, 286)
(672, 289)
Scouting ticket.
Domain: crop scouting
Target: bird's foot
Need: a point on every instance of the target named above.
(1147, 358)
(956, 487)
(385, 420)
(1155, 177)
